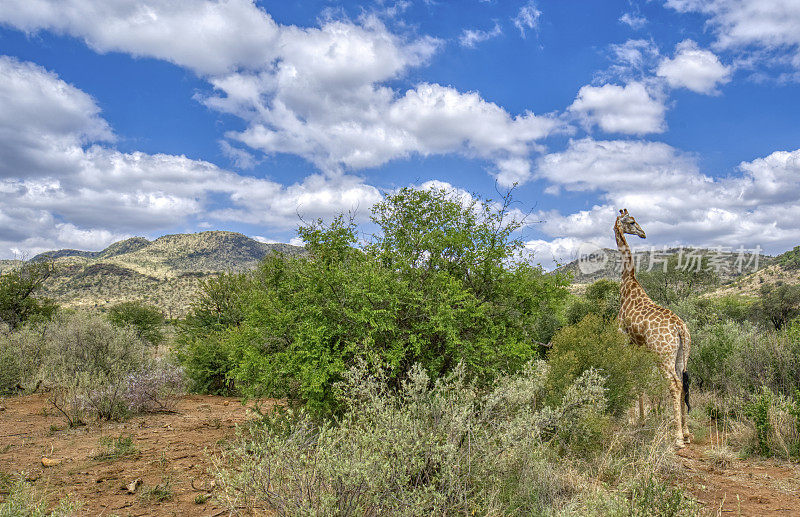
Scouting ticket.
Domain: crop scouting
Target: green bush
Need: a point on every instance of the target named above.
(89, 366)
(780, 303)
(19, 289)
(601, 298)
(776, 419)
(738, 359)
(445, 448)
(145, 319)
(594, 343)
(442, 283)
(450, 448)
(711, 359)
(790, 259)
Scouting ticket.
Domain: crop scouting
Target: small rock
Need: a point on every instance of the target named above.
(224, 404)
(50, 462)
(2, 408)
(133, 485)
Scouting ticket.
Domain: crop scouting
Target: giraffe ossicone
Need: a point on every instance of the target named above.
(655, 327)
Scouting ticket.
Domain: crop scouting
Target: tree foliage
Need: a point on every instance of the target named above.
(780, 303)
(440, 283)
(19, 289)
(601, 298)
(678, 279)
(145, 319)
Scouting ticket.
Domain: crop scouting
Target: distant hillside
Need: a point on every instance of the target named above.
(784, 268)
(164, 272)
(607, 263)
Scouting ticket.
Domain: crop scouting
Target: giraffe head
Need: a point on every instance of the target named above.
(627, 224)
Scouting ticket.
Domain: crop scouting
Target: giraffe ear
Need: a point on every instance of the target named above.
(621, 212)
(626, 211)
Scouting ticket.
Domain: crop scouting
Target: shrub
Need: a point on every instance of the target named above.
(145, 319)
(681, 278)
(776, 419)
(441, 283)
(780, 303)
(91, 367)
(154, 389)
(601, 298)
(711, 359)
(593, 343)
(445, 448)
(11, 375)
(18, 294)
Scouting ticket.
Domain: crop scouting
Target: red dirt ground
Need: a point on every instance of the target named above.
(179, 444)
(185, 439)
(753, 486)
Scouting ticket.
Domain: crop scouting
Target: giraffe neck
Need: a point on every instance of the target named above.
(628, 269)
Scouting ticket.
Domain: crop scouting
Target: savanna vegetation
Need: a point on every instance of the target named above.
(428, 368)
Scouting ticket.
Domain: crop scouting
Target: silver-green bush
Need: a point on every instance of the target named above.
(441, 448)
(89, 366)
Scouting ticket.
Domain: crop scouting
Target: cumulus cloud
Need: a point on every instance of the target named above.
(471, 37)
(674, 201)
(628, 109)
(694, 68)
(209, 36)
(767, 25)
(317, 92)
(61, 187)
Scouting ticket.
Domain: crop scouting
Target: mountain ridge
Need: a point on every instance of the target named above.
(165, 272)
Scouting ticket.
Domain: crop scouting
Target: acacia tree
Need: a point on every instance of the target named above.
(678, 281)
(440, 283)
(18, 293)
(779, 303)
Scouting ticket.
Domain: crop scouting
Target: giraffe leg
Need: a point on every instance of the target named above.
(676, 392)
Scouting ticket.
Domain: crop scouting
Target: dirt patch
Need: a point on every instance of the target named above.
(750, 486)
(166, 448)
(177, 447)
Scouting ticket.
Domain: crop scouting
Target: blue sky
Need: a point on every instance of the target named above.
(122, 118)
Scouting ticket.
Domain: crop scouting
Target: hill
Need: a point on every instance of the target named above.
(164, 272)
(606, 263)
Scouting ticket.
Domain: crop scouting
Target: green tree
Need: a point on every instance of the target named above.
(19, 289)
(780, 303)
(601, 298)
(145, 319)
(440, 283)
(595, 343)
(680, 279)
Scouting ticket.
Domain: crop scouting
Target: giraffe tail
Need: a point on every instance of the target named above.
(680, 368)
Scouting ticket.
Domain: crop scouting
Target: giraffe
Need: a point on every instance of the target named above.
(655, 327)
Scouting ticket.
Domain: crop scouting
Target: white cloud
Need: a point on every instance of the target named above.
(209, 36)
(471, 37)
(672, 199)
(693, 68)
(527, 18)
(628, 109)
(317, 92)
(634, 21)
(767, 25)
(59, 189)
